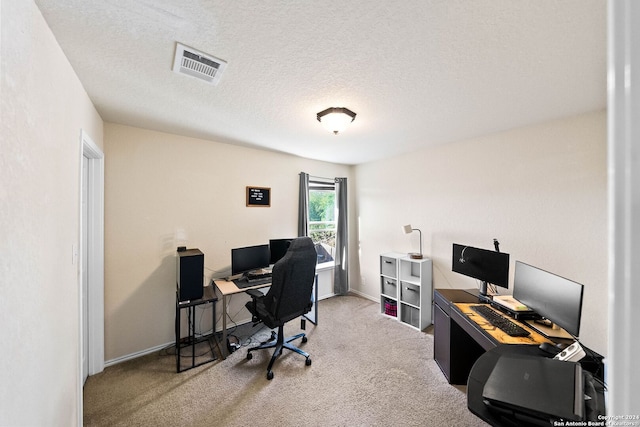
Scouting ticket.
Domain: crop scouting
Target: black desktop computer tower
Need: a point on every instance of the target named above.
(189, 274)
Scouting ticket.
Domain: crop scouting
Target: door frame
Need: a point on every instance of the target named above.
(623, 164)
(95, 260)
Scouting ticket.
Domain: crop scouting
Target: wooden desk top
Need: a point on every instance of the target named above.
(227, 287)
(497, 334)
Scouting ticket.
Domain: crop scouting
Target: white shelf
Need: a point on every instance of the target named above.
(406, 282)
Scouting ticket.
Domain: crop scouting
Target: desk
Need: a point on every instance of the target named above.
(208, 297)
(459, 341)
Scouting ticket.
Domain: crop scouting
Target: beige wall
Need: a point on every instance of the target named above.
(43, 108)
(162, 191)
(540, 190)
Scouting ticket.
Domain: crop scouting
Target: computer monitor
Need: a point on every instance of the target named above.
(491, 267)
(277, 248)
(555, 298)
(244, 260)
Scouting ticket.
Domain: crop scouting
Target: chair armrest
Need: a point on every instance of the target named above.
(252, 305)
(254, 293)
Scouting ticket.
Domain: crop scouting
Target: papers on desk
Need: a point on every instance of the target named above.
(510, 302)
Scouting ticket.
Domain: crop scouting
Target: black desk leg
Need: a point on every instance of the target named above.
(192, 334)
(177, 330)
(213, 333)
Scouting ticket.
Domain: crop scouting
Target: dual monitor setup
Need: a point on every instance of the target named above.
(555, 299)
(250, 264)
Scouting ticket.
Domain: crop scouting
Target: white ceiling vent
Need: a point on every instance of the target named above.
(198, 64)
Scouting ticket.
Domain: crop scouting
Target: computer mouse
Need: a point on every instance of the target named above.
(549, 348)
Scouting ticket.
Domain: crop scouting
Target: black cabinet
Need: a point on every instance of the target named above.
(455, 350)
(441, 342)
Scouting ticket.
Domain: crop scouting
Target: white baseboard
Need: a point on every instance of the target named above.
(137, 354)
(369, 297)
(161, 346)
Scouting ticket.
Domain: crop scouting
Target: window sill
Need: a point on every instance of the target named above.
(325, 266)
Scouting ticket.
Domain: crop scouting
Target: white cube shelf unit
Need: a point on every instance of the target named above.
(406, 289)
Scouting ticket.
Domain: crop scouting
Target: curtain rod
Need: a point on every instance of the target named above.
(321, 179)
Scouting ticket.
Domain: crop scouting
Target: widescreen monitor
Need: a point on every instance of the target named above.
(555, 298)
(244, 260)
(490, 267)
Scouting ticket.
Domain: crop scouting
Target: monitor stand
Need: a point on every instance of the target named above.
(482, 294)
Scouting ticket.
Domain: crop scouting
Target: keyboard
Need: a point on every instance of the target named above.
(247, 283)
(499, 321)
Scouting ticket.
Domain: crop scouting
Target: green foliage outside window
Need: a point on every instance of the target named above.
(322, 205)
(322, 227)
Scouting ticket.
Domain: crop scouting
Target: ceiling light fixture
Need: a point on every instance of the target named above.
(336, 119)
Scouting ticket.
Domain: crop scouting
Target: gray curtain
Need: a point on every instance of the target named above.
(341, 271)
(303, 205)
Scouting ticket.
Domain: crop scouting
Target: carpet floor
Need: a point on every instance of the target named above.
(367, 370)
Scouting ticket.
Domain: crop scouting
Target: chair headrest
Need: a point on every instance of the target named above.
(301, 243)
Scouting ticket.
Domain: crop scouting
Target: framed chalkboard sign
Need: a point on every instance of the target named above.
(259, 196)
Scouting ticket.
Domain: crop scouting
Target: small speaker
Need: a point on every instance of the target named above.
(189, 273)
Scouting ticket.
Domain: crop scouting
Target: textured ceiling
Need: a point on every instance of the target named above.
(416, 72)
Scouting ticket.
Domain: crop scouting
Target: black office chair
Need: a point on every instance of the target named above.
(292, 281)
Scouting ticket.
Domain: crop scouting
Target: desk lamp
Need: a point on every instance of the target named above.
(407, 230)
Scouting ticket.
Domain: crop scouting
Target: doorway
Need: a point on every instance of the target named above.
(91, 286)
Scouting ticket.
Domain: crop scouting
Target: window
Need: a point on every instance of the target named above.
(322, 217)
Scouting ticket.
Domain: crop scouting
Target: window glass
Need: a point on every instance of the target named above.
(322, 219)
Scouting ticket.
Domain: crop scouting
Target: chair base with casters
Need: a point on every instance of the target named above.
(278, 342)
